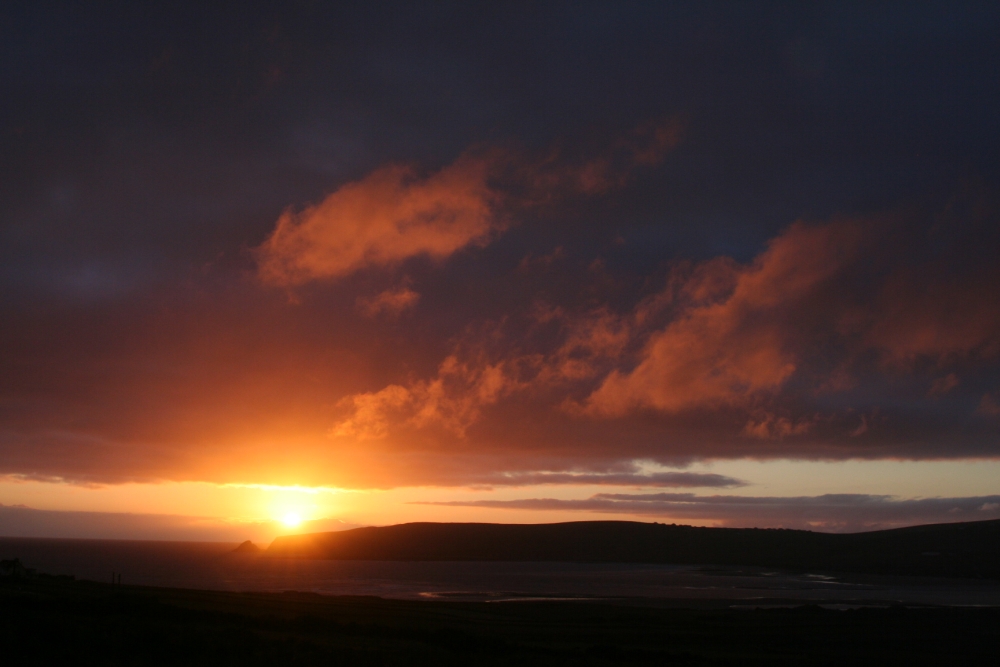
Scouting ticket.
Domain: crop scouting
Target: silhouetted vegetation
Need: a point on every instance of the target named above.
(48, 621)
(957, 550)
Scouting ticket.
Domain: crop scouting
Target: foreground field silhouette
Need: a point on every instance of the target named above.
(47, 621)
(969, 549)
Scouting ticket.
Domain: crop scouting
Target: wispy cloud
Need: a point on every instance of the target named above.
(22, 521)
(832, 512)
(391, 302)
(656, 479)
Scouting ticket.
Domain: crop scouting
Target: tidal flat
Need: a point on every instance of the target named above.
(48, 620)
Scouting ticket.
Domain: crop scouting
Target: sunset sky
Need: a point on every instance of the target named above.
(306, 267)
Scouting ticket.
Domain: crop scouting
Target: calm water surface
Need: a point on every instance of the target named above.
(212, 566)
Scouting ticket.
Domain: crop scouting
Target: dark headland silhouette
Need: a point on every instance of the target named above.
(969, 549)
(247, 547)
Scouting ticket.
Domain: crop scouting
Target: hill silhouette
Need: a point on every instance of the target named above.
(247, 547)
(957, 549)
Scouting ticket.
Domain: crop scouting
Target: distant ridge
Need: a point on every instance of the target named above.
(956, 549)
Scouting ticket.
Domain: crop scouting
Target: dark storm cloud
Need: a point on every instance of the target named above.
(622, 290)
(182, 132)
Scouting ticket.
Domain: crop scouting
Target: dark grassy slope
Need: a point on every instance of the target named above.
(47, 622)
(958, 549)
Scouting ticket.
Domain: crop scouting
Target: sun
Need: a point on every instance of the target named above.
(291, 519)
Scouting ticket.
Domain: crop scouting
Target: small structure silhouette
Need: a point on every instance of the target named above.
(14, 569)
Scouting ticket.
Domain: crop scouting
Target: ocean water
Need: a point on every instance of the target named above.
(213, 566)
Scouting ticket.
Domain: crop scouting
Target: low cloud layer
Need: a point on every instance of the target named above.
(21, 521)
(832, 512)
(638, 479)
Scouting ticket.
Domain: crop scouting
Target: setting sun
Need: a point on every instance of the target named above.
(291, 519)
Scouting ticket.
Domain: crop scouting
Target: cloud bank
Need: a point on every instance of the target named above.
(21, 521)
(624, 478)
(793, 353)
(866, 336)
(831, 512)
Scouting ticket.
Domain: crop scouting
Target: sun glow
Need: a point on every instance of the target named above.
(291, 507)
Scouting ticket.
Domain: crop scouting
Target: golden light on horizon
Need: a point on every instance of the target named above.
(292, 506)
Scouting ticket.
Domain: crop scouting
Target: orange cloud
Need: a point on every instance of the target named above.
(735, 338)
(749, 346)
(589, 343)
(789, 354)
(468, 380)
(453, 401)
(391, 302)
(392, 214)
(387, 217)
(920, 315)
(770, 427)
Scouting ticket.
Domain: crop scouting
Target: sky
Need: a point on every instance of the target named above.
(308, 266)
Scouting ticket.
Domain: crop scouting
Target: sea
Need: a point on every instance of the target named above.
(214, 566)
